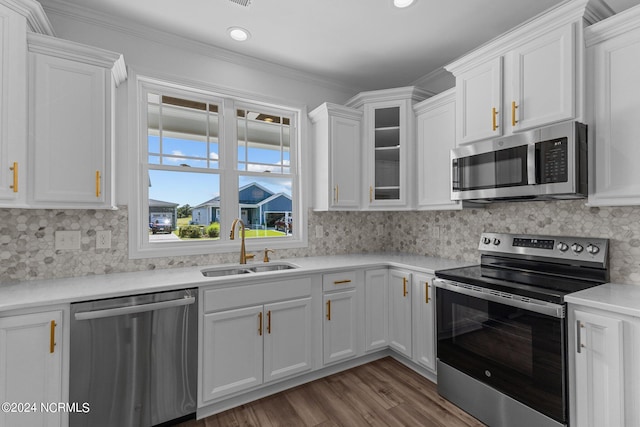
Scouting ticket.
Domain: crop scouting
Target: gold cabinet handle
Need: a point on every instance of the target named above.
(404, 286)
(426, 292)
(371, 194)
(260, 323)
(341, 282)
(97, 183)
(494, 118)
(336, 194)
(52, 337)
(513, 113)
(14, 168)
(269, 321)
(328, 309)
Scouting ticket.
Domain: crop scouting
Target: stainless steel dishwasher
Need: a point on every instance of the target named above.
(134, 359)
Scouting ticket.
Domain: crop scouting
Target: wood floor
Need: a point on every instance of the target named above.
(380, 393)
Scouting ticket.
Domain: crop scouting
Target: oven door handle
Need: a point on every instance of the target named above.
(537, 306)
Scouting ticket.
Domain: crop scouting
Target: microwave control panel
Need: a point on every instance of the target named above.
(551, 159)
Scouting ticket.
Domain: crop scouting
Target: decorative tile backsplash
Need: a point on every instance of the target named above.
(27, 237)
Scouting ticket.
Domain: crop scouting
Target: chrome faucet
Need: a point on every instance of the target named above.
(243, 252)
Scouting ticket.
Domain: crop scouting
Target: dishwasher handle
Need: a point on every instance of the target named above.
(133, 309)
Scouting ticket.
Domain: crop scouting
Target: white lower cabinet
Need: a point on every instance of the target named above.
(31, 368)
(376, 311)
(604, 371)
(245, 347)
(339, 331)
(400, 312)
(424, 320)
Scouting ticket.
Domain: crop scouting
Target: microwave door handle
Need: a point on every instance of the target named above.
(531, 164)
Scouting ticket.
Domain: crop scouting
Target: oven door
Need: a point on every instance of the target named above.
(512, 344)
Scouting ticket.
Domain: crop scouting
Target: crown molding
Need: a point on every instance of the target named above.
(52, 46)
(438, 100)
(37, 20)
(614, 26)
(323, 110)
(413, 93)
(90, 17)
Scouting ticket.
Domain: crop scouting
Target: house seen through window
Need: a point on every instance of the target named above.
(212, 159)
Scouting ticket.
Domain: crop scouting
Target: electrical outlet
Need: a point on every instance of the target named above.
(67, 240)
(103, 239)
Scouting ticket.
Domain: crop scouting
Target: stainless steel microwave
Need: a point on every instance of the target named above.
(545, 163)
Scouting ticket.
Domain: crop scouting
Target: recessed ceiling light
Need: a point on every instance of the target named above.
(402, 3)
(239, 34)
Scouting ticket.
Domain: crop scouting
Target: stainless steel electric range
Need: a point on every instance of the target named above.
(502, 330)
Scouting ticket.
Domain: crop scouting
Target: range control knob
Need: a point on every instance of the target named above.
(562, 247)
(486, 240)
(496, 242)
(577, 248)
(592, 249)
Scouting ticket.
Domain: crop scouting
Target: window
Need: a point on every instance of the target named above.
(205, 159)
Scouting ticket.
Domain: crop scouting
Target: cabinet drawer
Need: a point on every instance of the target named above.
(259, 293)
(337, 281)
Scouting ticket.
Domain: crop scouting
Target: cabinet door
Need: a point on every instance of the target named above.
(339, 326)
(232, 351)
(13, 103)
(31, 366)
(436, 138)
(376, 294)
(68, 145)
(386, 143)
(346, 152)
(599, 370)
(424, 320)
(287, 338)
(614, 172)
(543, 81)
(400, 311)
(479, 102)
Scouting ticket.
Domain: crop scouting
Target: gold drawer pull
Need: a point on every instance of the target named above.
(494, 118)
(52, 337)
(426, 292)
(329, 309)
(404, 286)
(269, 321)
(513, 113)
(97, 183)
(260, 323)
(341, 282)
(14, 168)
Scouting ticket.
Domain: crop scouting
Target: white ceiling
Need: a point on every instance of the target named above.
(367, 44)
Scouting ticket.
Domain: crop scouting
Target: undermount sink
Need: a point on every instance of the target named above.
(272, 267)
(260, 268)
(224, 271)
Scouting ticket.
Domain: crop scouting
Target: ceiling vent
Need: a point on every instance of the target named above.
(241, 2)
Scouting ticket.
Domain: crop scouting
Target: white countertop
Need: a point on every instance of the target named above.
(615, 297)
(38, 293)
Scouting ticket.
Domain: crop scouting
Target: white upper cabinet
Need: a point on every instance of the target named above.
(337, 152)
(613, 62)
(479, 101)
(388, 146)
(529, 77)
(16, 18)
(543, 80)
(436, 136)
(71, 123)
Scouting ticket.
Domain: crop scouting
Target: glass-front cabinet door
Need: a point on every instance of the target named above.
(387, 141)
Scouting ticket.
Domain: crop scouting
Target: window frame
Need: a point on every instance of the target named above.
(229, 101)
